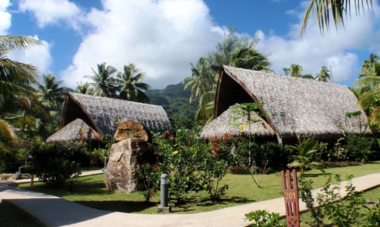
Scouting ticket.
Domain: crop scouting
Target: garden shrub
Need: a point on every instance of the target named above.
(149, 178)
(191, 163)
(358, 147)
(181, 122)
(335, 210)
(13, 155)
(263, 218)
(53, 162)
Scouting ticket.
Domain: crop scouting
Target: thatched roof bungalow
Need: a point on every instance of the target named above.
(296, 107)
(75, 130)
(103, 113)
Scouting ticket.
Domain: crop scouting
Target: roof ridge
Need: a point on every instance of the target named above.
(121, 100)
(286, 77)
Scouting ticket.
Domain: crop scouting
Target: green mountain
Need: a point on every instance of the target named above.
(174, 100)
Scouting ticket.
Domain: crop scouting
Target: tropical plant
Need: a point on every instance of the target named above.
(50, 92)
(336, 8)
(16, 78)
(231, 42)
(249, 58)
(132, 87)
(201, 79)
(263, 218)
(85, 88)
(205, 113)
(323, 75)
(305, 151)
(370, 67)
(368, 90)
(102, 81)
(296, 71)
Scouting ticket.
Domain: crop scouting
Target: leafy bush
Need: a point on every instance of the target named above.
(149, 177)
(53, 162)
(263, 218)
(191, 164)
(181, 122)
(97, 156)
(339, 211)
(358, 148)
(13, 155)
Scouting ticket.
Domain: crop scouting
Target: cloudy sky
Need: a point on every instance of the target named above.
(162, 37)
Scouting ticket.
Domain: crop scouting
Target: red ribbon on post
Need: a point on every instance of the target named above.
(291, 198)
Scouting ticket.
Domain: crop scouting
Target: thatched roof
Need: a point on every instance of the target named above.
(223, 124)
(102, 113)
(295, 106)
(76, 130)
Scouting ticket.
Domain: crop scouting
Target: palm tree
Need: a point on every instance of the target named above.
(15, 82)
(85, 88)
(336, 8)
(370, 67)
(132, 86)
(201, 80)
(50, 92)
(15, 77)
(205, 113)
(249, 58)
(323, 75)
(295, 71)
(305, 151)
(103, 83)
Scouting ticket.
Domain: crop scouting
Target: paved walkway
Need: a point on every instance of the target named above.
(54, 211)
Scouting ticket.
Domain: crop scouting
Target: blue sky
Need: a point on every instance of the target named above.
(162, 37)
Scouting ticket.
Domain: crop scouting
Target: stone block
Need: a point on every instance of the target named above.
(126, 159)
(132, 129)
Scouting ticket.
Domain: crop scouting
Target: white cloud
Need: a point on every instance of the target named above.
(38, 56)
(51, 12)
(161, 37)
(5, 17)
(313, 51)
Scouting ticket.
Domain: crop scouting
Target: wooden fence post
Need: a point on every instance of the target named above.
(291, 198)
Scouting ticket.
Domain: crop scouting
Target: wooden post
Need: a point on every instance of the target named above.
(291, 198)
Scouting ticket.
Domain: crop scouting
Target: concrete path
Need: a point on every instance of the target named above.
(54, 211)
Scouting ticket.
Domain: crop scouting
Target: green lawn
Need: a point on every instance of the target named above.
(11, 216)
(90, 191)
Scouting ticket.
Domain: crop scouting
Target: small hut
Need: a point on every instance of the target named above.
(225, 124)
(76, 130)
(295, 107)
(102, 114)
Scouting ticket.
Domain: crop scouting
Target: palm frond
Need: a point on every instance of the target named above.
(10, 43)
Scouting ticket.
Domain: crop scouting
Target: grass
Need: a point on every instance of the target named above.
(90, 191)
(11, 216)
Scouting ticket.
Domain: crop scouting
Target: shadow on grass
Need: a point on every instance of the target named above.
(315, 174)
(80, 187)
(119, 206)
